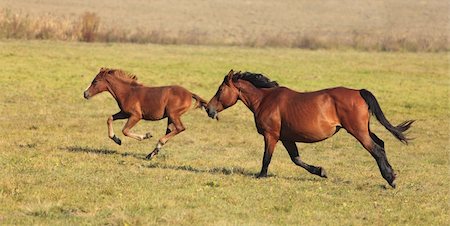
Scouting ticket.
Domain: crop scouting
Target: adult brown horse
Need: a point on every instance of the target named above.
(137, 102)
(283, 114)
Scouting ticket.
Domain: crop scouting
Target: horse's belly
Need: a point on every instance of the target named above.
(308, 135)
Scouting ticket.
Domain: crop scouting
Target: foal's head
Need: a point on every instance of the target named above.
(100, 84)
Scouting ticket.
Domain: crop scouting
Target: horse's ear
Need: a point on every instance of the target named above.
(230, 74)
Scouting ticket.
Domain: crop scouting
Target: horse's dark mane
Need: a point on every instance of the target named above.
(258, 80)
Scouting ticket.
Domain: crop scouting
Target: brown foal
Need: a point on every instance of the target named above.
(282, 114)
(137, 102)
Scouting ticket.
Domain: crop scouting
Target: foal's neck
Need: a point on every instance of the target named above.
(250, 95)
(119, 89)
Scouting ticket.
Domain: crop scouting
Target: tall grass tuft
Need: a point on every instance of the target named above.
(90, 23)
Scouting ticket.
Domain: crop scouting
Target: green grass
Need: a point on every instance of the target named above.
(59, 167)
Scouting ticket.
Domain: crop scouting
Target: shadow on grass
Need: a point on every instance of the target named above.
(158, 165)
(228, 171)
(102, 151)
(215, 170)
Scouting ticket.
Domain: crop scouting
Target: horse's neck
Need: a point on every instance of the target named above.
(119, 89)
(250, 95)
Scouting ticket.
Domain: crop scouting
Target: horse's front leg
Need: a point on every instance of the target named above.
(132, 120)
(119, 115)
(269, 146)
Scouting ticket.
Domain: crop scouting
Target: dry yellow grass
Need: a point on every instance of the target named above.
(58, 167)
(368, 25)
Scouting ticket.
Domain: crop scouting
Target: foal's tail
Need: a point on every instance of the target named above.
(199, 102)
(375, 109)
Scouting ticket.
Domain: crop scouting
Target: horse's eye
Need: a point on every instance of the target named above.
(94, 82)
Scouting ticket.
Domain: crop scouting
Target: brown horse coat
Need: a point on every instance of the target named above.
(282, 114)
(137, 102)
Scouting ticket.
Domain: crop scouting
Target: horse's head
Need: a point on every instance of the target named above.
(226, 96)
(99, 83)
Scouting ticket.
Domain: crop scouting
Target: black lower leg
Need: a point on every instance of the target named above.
(376, 139)
(155, 151)
(117, 140)
(265, 165)
(152, 154)
(385, 168)
(317, 170)
(291, 147)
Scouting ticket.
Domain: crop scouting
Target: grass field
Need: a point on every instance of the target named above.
(59, 167)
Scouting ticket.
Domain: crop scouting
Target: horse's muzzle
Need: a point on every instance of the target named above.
(212, 113)
(86, 95)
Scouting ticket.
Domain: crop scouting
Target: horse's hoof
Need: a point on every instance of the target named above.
(323, 173)
(148, 136)
(393, 184)
(117, 140)
(391, 180)
(260, 176)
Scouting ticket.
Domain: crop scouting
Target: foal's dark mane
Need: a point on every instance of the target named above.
(258, 80)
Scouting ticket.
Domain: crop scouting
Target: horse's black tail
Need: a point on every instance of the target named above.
(375, 109)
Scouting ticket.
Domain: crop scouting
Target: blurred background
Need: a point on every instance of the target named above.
(400, 25)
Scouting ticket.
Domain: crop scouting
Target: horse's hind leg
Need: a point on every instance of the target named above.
(375, 146)
(291, 147)
(174, 127)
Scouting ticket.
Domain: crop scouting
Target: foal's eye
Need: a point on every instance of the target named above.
(94, 82)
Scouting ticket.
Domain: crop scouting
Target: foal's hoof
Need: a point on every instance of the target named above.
(151, 155)
(148, 136)
(117, 140)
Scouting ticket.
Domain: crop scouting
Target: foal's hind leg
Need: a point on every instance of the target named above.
(130, 123)
(291, 147)
(174, 127)
(375, 146)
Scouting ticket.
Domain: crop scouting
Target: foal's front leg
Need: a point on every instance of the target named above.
(119, 115)
(130, 123)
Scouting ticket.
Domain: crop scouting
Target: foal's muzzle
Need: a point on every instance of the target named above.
(86, 95)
